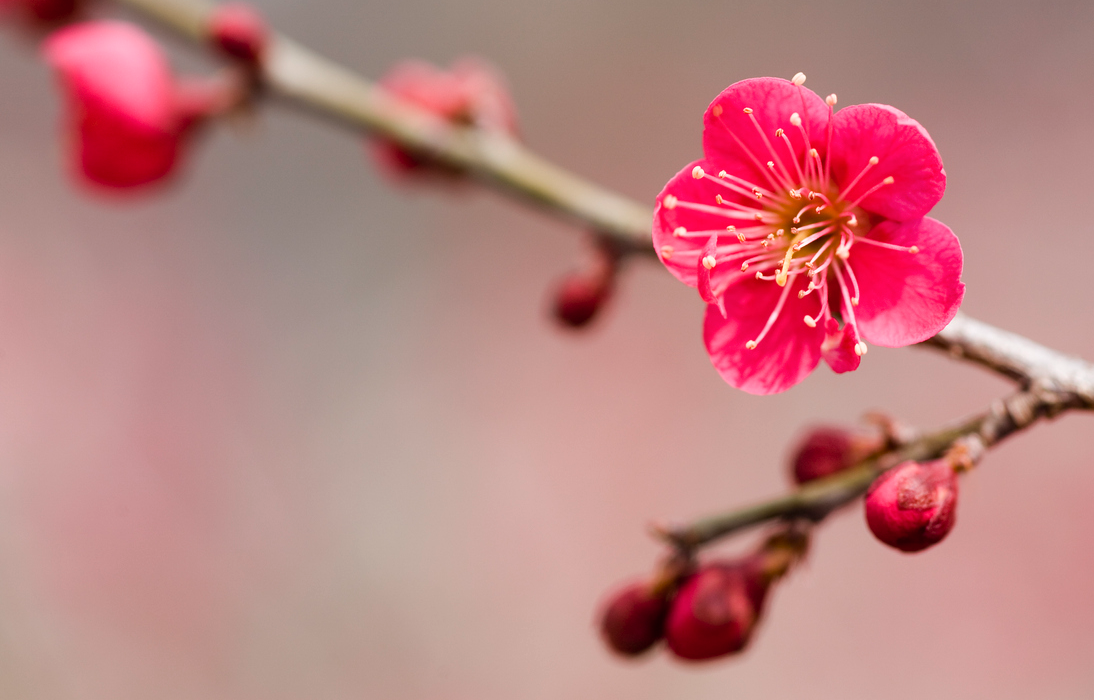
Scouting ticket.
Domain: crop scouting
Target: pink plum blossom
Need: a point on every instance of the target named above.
(128, 115)
(805, 231)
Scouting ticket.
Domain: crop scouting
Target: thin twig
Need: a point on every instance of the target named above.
(819, 499)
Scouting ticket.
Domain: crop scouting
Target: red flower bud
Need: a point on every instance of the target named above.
(716, 609)
(913, 506)
(470, 93)
(240, 31)
(580, 296)
(634, 618)
(827, 450)
(43, 10)
(129, 114)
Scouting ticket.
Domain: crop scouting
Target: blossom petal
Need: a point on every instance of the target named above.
(789, 352)
(838, 348)
(121, 102)
(117, 68)
(731, 140)
(904, 151)
(682, 253)
(907, 298)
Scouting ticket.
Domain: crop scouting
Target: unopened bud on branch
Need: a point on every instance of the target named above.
(826, 450)
(634, 618)
(913, 506)
(240, 31)
(43, 11)
(716, 609)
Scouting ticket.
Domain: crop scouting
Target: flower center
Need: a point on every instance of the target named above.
(795, 222)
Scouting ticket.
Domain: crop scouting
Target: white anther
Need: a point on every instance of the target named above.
(744, 267)
(889, 180)
(751, 345)
(723, 174)
(709, 262)
(798, 79)
(779, 133)
(697, 172)
(853, 221)
(860, 348)
(771, 164)
(854, 301)
(740, 237)
(717, 110)
(669, 201)
(718, 199)
(813, 152)
(780, 232)
(747, 110)
(914, 249)
(680, 231)
(810, 322)
(801, 294)
(795, 194)
(873, 160)
(796, 119)
(667, 251)
(831, 100)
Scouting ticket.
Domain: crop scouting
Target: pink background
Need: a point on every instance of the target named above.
(287, 431)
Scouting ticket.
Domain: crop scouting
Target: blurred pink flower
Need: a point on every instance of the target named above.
(470, 93)
(805, 231)
(127, 113)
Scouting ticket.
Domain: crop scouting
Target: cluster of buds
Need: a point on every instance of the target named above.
(910, 506)
(701, 612)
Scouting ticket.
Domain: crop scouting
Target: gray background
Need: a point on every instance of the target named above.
(290, 431)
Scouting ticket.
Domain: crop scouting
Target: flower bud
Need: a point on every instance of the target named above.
(239, 31)
(826, 450)
(634, 618)
(716, 609)
(46, 11)
(913, 506)
(470, 93)
(580, 296)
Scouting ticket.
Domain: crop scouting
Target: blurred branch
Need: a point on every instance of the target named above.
(303, 77)
(819, 499)
(299, 75)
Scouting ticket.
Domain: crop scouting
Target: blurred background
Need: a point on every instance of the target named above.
(288, 430)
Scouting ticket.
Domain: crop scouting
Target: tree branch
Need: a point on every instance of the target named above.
(302, 77)
(818, 499)
(1016, 357)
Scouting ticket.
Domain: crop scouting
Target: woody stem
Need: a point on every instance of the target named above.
(818, 499)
